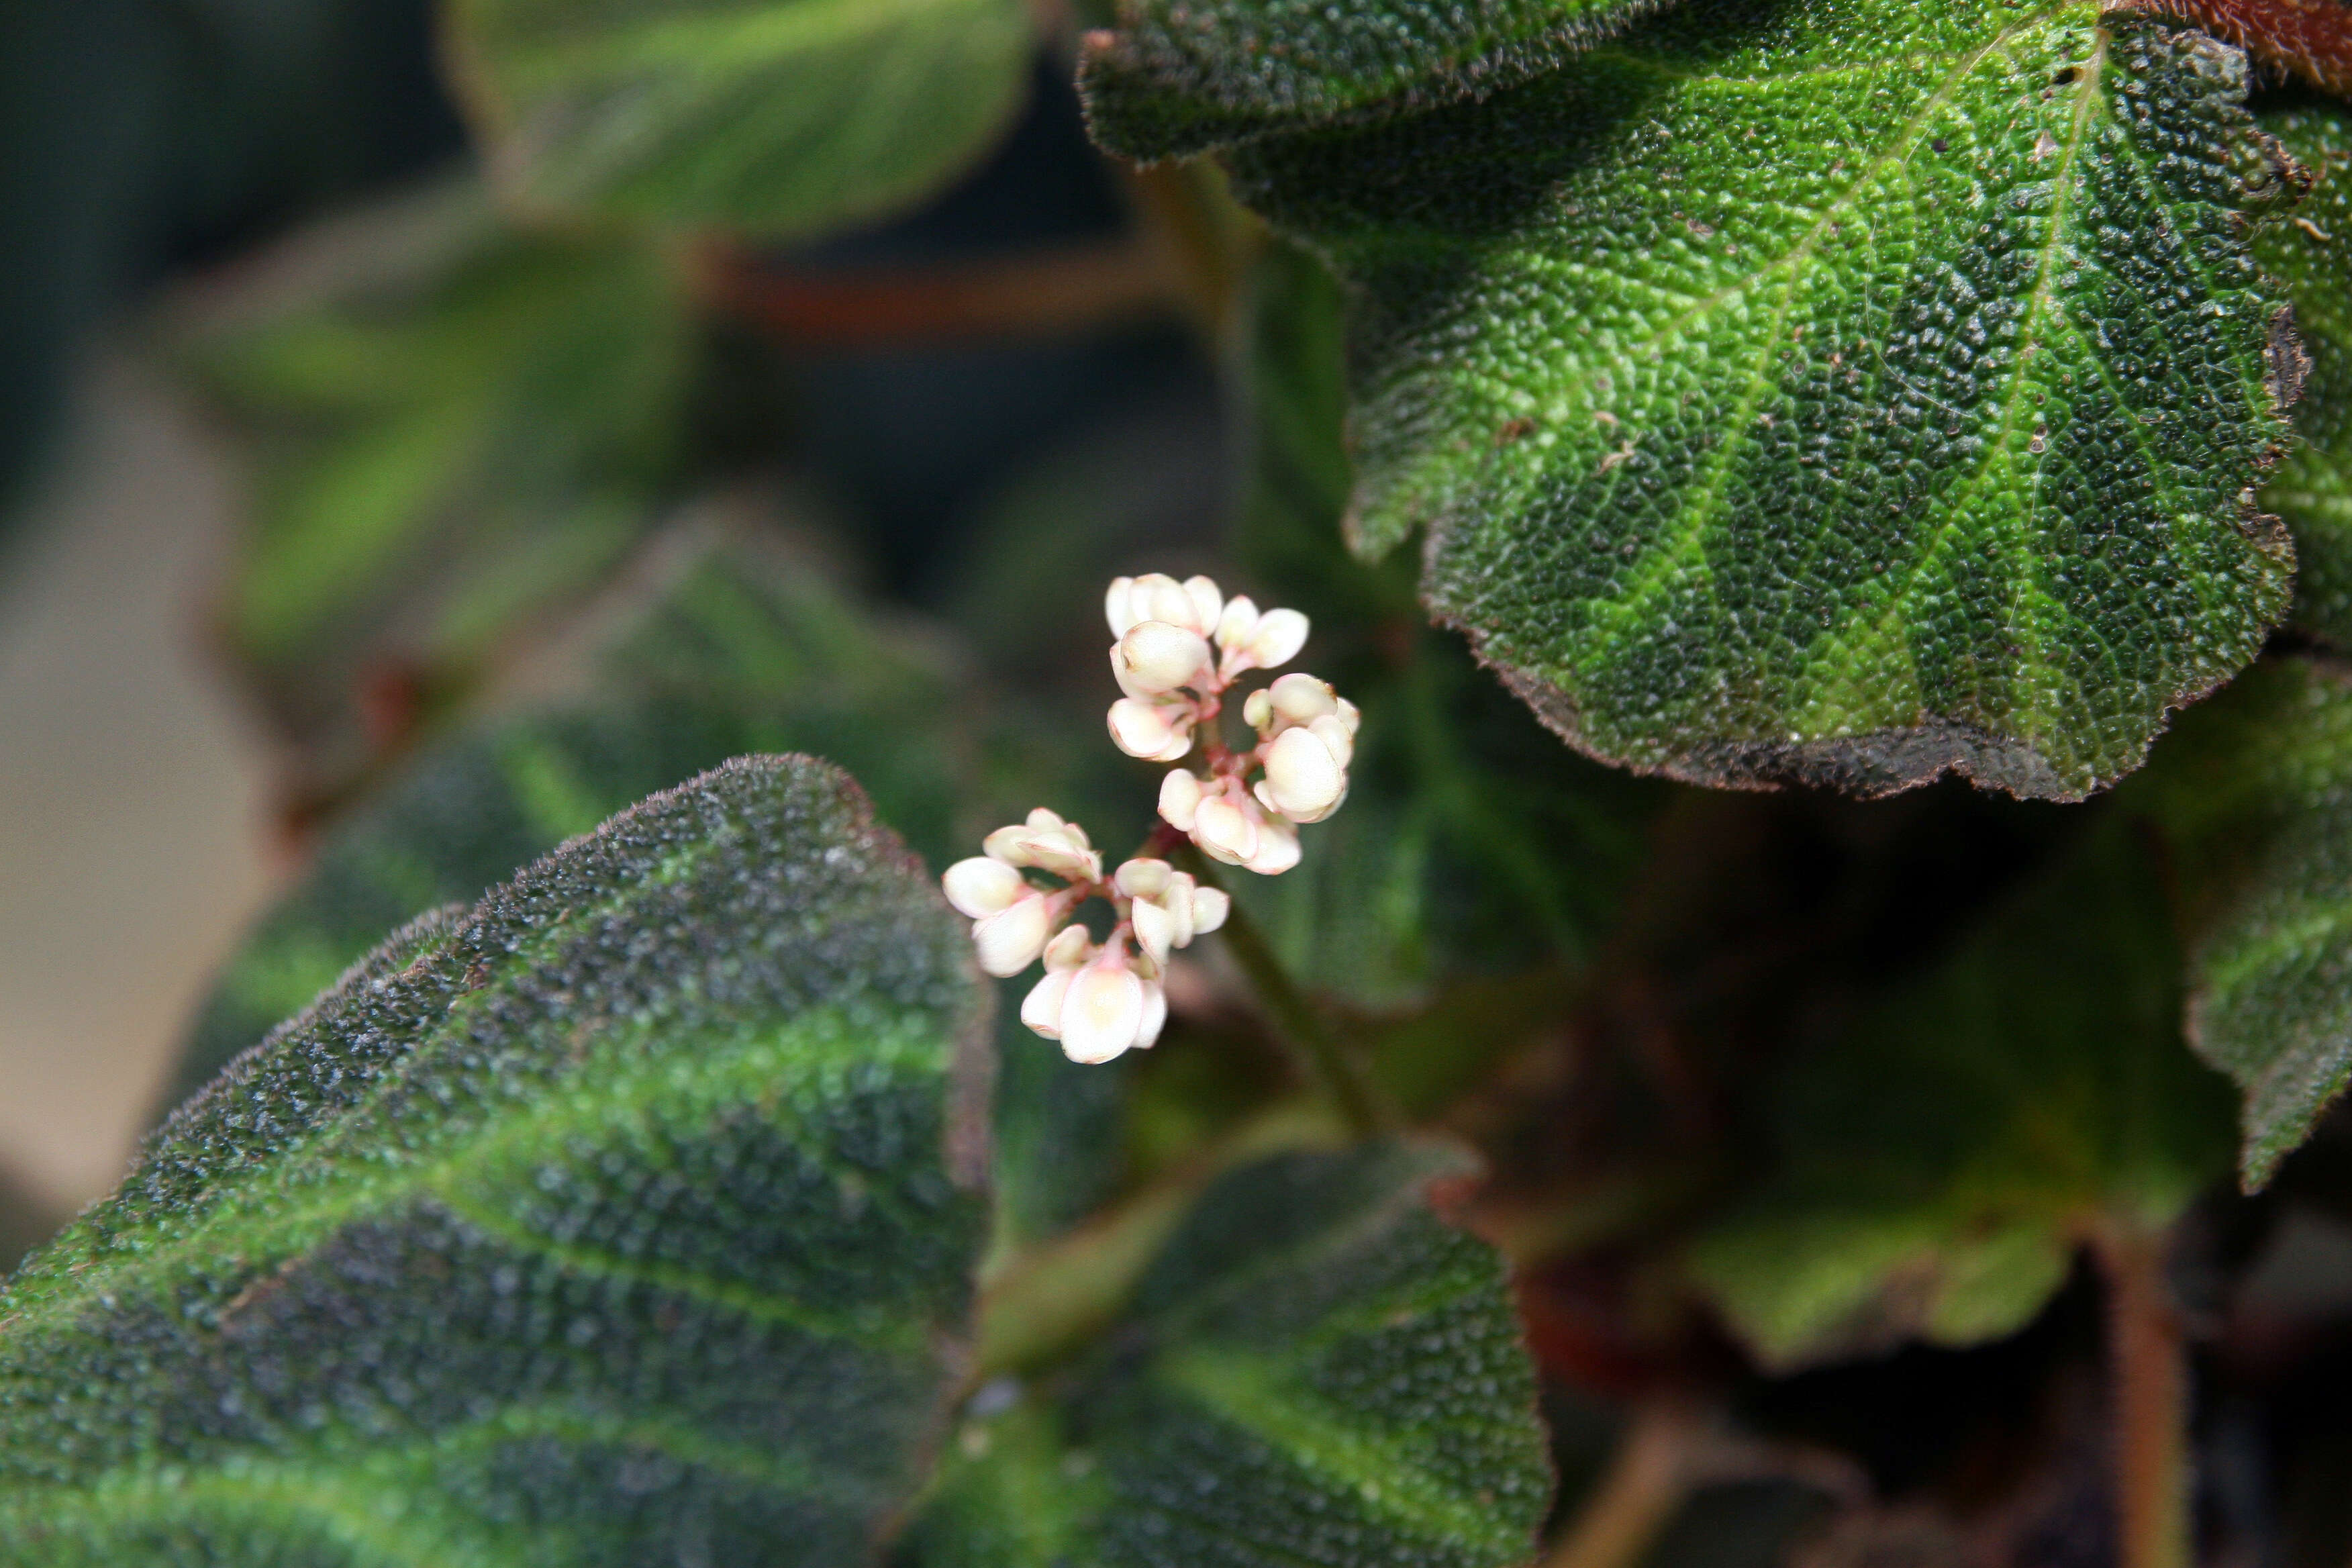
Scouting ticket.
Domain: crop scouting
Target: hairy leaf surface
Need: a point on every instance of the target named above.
(1844, 392)
(1183, 75)
(610, 1221)
(2255, 797)
(781, 118)
(1941, 1161)
(452, 424)
(1314, 1371)
(2312, 255)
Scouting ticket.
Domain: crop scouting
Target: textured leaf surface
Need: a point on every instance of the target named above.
(2312, 255)
(2256, 796)
(1844, 392)
(451, 425)
(1315, 1371)
(1184, 76)
(1942, 1161)
(782, 118)
(746, 651)
(606, 1224)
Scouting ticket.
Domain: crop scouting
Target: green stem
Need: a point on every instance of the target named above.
(1318, 1051)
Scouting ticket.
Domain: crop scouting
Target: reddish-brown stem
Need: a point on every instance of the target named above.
(1646, 1480)
(2148, 1372)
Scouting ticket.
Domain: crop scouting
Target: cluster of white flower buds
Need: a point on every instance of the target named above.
(1181, 648)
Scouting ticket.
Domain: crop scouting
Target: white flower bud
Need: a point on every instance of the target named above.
(1278, 849)
(1155, 1015)
(1349, 716)
(1102, 1012)
(1009, 940)
(1155, 928)
(980, 887)
(1299, 699)
(1177, 899)
(1335, 733)
(1049, 843)
(1155, 731)
(1225, 831)
(1157, 596)
(1208, 605)
(1238, 623)
(1144, 878)
(1280, 634)
(1118, 606)
(1257, 710)
(1160, 656)
(1209, 907)
(1303, 779)
(1069, 949)
(1042, 1008)
(1180, 797)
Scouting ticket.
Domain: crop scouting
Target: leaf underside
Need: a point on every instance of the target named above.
(2311, 254)
(1841, 394)
(608, 1222)
(1941, 1162)
(778, 118)
(1314, 1371)
(1181, 76)
(2255, 798)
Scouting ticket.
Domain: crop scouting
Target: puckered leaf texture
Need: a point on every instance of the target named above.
(609, 1223)
(1314, 1371)
(2255, 794)
(2311, 254)
(1844, 391)
(1942, 1161)
(1184, 76)
(779, 118)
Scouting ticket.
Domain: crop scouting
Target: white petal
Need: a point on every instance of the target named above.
(1101, 1012)
(982, 886)
(1277, 850)
(1162, 598)
(1142, 729)
(1334, 733)
(1180, 797)
(1007, 844)
(1155, 1015)
(1279, 637)
(1122, 672)
(1116, 609)
(1009, 940)
(1209, 907)
(1179, 746)
(1161, 656)
(1041, 818)
(1071, 947)
(1221, 828)
(1042, 1008)
(1350, 715)
(1301, 698)
(1238, 623)
(1177, 902)
(1155, 928)
(1208, 603)
(1302, 777)
(1143, 878)
(1257, 710)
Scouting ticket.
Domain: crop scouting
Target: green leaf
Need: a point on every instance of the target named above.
(1843, 392)
(610, 1222)
(2311, 254)
(745, 650)
(1941, 1161)
(780, 118)
(1314, 1371)
(2254, 794)
(1181, 76)
(452, 424)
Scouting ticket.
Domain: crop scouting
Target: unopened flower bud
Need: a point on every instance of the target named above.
(1180, 797)
(1009, 940)
(1298, 698)
(1225, 831)
(1155, 731)
(1279, 636)
(1144, 878)
(980, 887)
(1257, 710)
(1048, 844)
(1042, 1008)
(1333, 733)
(1155, 928)
(1155, 1015)
(1194, 605)
(1102, 1012)
(1119, 606)
(1209, 907)
(1069, 949)
(1304, 779)
(1278, 849)
(1349, 716)
(1159, 656)
(1238, 623)
(1208, 605)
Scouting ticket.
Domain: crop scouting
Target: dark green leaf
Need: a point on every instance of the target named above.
(1184, 76)
(2254, 794)
(611, 1221)
(1315, 1371)
(2311, 254)
(1844, 391)
(782, 118)
(1939, 1163)
(747, 650)
(453, 424)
